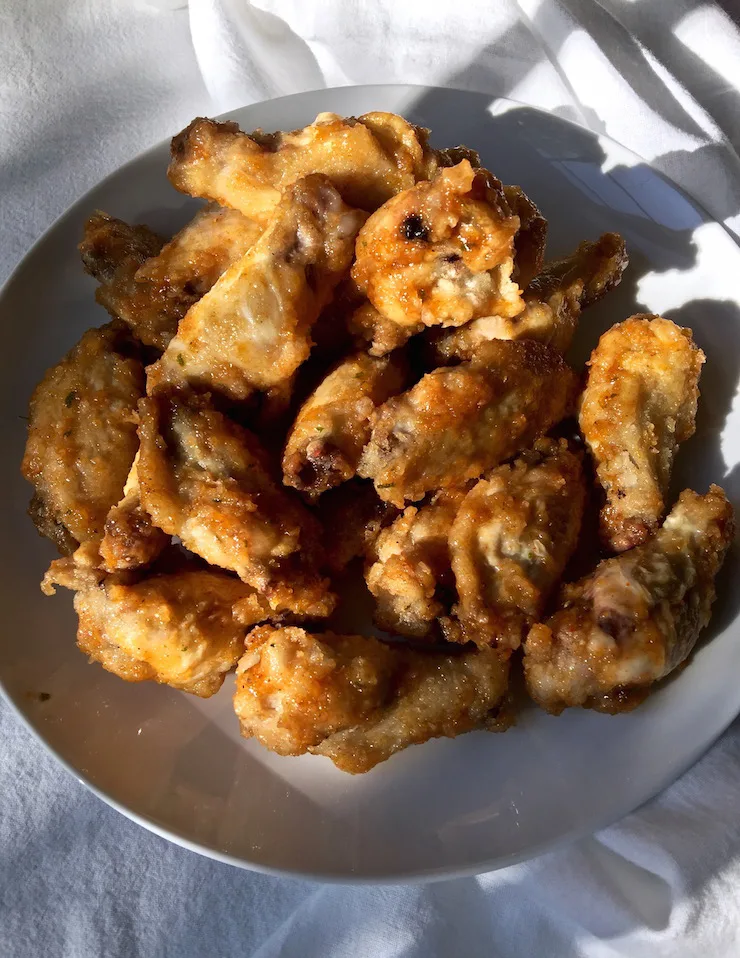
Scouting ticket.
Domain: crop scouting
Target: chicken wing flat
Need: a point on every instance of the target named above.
(367, 159)
(205, 479)
(441, 253)
(154, 295)
(636, 617)
(353, 517)
(130, 539)
(411, 578)
(253, 329)
(357, 700)
(82, 436)
(510, 541)
(553, 301)
(333, 425)
(457, 422)
(639, 404)
(174, 628)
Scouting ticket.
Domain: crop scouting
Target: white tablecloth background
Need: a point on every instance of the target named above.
(87, 84)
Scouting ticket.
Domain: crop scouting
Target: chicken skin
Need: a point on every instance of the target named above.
(636, 617)
(367, 160)
(112, 251)
(253, 329)
(441, 253)
(510, 541)
(457, 422)
(553, 302)
(82, 436)
(130, 540)
(333, 425)
(411, 578)
(359, 701)
(639, 404)
(531, 237)
(206, 480)
(175, 628)
(154, 295)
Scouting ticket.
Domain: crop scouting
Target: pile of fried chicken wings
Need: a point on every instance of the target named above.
(356, 351)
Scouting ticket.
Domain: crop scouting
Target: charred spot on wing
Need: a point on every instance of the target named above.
(414, 228)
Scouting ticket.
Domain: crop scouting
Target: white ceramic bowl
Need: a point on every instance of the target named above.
(176, 764)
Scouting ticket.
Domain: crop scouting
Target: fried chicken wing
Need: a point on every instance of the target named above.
(553, 301)
(510, 541)
(82, 436)
(357, 700)
(457, 422)
(411, 577)
(174, 628)
(333, 425)
(531, 237)
(206, 480)
(441, 253)
(131, 540)
(153, 295)
(367, 160)
(353, 517)
(639, 404)
(636, 617)
(111, 249)
(253, 329)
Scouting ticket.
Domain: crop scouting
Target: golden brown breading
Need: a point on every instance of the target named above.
(636, 617)
(130, 540)
(639, 404)
(441, 253)
(411, 577)
(372, 331)
(357, 700)
(352, 516)
(333, 425)
(206, 480)
(253, 329)
(531, 237)
(509, 544)
(175, 628)
(368, 160)
(457, 422)
(554, 301)
(82, 436)
(152, 296)
(111, 249)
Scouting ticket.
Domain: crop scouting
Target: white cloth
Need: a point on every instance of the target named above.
(85, 85)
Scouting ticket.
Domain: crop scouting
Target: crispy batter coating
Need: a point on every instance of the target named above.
(639, 404)
(253, 329)
(636, 617)
(131, 539)
(154, 295)
(554, 301)
(111, 249)
(206, 480)
(509, 544)
(352, 516)
(531, 238)
(356, 700)
(175, 628)
(368, 160)
(441, 253)
(82, 436)
(457, 422)
(411, 577)
(333, 425)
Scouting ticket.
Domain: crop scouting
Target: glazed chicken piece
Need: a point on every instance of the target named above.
(367, 160)
(152, 296)
(553, 302)
(357, 700)
(253, 329)
(353, 517)
(130, 540)
(333, 425)
(206, 480)
(175, 628)
(440, 254)
(639, 404)
(636, 617)
(510, 541)
(82, 436)
(459, 421)
(411, 577)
